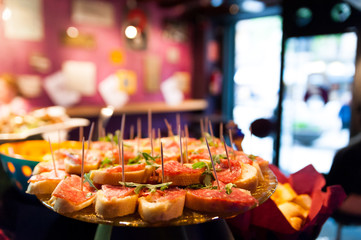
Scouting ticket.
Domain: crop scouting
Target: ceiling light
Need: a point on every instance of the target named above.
(72, 32)
(131, 32)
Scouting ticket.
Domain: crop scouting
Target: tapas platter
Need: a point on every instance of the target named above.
(263, 192)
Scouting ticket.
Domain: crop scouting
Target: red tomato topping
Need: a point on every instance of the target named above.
(172, 168)
(48, 176)
(237, 196)
(91, 157)
(166, 195)
(69, 189)
(127, 168)
(49, 166)
(116, 191)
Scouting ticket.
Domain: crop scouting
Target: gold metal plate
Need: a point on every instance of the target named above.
(264, 190)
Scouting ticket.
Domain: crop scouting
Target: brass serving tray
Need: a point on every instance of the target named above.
(264, 190)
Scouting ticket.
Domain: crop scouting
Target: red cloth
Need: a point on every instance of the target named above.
(267, 220)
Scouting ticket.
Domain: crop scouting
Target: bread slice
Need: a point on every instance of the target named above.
(248, 179)
(44, 183)
(104, 176)
(72, 168)
(69, 197)
(61, 205)
(155, 208)
(218, 201)
(180, 175)
(47, 166)
(115, 201)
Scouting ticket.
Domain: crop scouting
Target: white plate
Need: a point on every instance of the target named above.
(68, 124)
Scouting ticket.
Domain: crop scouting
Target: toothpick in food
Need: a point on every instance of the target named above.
(161, 157)
(225, 147)
(53, 158)
(169, 127)
(131, 132)
(82, 166)
(211, 129)
(231, 142)
(149, 123)
(213, 166)
(180, 144)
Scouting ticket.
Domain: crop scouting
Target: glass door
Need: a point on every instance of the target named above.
(256, 81)
(318, 77)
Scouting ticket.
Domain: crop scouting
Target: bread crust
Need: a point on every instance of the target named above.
(61, 205)
(202, 204)
(76, 169)
(162, 210)
(42, 187)
(248, 179)
(115, 207)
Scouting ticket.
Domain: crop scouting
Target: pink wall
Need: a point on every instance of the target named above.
(14, 54)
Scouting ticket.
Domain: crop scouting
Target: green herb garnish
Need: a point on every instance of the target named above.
(208, 174)
(228, 188)
(151, 187)
(149, 160)
(198, 165)
(135, 160)
(106, 162)
(252, 157)
(87, 179)
(200, 186)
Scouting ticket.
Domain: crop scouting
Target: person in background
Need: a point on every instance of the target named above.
(11, 101)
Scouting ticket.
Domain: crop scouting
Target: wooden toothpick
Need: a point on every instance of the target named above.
(139, 133)
(225, 147)
(213, 166)
(169, 127)
(178, 119)
(159, 136)
(161, 157)
(221, 130)
(202, 128)
(186, 130)
(152, 142)
(82, 166)
(90, 135)
(53, 158)
(186, 148)
(211, 129)
(231, 141)
(123, 171)
(131, 132)
(122, 127)
(206, 124)
(180, 144)
(81, 133)
(149, 123)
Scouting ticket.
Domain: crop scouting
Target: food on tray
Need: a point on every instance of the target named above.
(162, 205)
(46, 182)
(72, 161)
(70, 195)
(34, 119)
(294, 207)
(157, 193)
(138, 173)
(180, 175)
(115, 201)
(227, 199)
